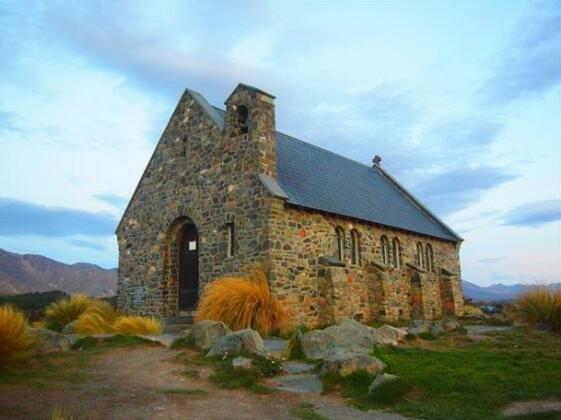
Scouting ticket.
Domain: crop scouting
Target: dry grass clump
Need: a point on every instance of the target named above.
(97, 319)
(137, 325)
(15, 341)
(539, 305)
(244, 303)
(473, 310)
(62, 312)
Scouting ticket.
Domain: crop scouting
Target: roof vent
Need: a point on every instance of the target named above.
(377, 160)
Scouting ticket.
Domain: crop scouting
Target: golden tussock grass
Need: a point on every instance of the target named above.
(244, 303)
(15, 341)
(539, 305)
(64, 311)
(97, 319)
(137, 325)
(472, 310)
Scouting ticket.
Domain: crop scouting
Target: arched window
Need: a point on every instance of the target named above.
(429, 258)
(385, 250)
(355, 247)
(339, 243)
(396, 253)
(419, 260)
(242, 119)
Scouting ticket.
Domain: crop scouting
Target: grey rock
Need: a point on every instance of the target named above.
(346, 363)
(348, 336)
(241, 363)
(296, 368)
(380, 379)
(451, 325)
(247, 340)
(418, 326)
(48, 341)
(70, 328)
(436, 328)
(393, 335)
(275, 347)
(206, 333)
(164, 339)
(308, 383)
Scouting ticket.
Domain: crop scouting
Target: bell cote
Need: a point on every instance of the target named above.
(250, 119)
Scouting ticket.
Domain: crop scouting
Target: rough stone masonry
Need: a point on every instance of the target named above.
(339, 239)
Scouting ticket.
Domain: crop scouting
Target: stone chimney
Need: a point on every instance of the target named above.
(250, 128)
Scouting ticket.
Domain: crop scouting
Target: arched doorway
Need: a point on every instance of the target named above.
(188, 264)
(181, 267)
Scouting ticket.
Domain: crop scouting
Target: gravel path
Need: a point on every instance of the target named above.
(127, 383)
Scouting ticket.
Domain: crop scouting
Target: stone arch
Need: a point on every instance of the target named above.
(171, 248)
(416, 295)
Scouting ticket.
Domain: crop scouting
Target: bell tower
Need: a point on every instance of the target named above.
(250, 129)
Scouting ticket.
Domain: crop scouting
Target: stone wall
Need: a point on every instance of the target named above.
(322, 293)
(202, 175)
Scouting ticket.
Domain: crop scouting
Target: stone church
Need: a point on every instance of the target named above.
(224, 191)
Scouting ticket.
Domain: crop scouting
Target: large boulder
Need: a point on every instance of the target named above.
(347, 337)
(346, 363)
(380, 379)
(247, 340)
(391, 335)
(206, 333)
(48, 341)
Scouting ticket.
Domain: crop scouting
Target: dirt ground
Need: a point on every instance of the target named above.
(128, 383)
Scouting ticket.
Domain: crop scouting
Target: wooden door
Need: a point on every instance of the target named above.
(189, 268)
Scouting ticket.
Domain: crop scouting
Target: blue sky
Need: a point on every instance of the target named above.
(461, 99)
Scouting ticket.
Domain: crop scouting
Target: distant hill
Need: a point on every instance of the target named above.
(497, 292)
(35, 273)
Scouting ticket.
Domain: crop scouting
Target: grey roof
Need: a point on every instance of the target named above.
(318, 179)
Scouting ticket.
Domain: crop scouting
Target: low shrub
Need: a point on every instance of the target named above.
(60, 313)
(15, 341)
(137, 325)
(97, 319)
(244, 303)
(539, 306)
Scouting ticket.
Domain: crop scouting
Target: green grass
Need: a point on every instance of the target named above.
(64, 367)
(184, 391)
(457, 379)
(305, 411)
(227, 377)
(183, 343)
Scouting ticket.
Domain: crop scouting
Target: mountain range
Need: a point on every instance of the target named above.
(35, 273)
(497, 292)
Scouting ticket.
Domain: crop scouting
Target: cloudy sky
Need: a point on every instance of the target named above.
(461, 99)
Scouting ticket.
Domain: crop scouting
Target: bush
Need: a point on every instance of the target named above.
(97, 319)
(539, 305)
(243, 303)
(137, 325)
(15, 341)
(64, 311)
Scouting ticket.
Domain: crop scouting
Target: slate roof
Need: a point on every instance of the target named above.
(318, 179)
